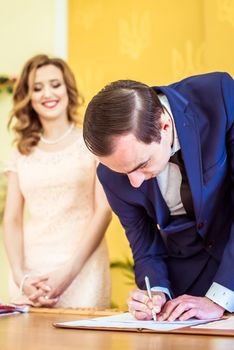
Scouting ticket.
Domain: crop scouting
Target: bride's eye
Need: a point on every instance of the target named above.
(37, 87)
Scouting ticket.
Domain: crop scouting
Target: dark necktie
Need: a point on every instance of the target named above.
(185, 191)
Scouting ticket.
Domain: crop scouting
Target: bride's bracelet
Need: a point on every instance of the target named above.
(22, 284)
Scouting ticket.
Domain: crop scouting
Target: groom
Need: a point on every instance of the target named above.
(167, 166)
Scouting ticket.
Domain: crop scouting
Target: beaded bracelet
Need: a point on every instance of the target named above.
(22, 284)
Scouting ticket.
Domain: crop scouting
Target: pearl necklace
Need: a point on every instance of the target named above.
(59, 139)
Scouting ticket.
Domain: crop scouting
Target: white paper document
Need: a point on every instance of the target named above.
(126, 320)
(222, 324)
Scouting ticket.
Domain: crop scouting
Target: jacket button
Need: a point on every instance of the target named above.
(210, 244)
(200, 225)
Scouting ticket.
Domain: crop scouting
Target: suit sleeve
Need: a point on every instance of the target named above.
(145, 241)
(224, 276)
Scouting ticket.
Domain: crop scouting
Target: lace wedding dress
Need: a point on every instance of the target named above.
(58, 191)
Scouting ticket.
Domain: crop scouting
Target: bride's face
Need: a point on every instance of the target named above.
(49, 96)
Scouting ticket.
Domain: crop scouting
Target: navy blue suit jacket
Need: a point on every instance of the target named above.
(203, 111)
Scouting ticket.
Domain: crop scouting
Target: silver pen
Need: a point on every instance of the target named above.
(147, 282)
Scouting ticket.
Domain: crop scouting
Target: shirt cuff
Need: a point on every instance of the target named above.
(163, 290)
(221, 296)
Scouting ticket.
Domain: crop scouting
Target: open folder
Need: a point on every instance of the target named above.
(126, 322)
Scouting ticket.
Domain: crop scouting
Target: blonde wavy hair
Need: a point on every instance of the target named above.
(26, 124)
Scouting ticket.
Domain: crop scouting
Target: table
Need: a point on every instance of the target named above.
(34, 331)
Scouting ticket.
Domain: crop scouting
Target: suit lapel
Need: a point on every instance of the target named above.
(189, 139)
(151, 189)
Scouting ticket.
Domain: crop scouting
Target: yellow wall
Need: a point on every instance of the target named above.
(153, 41)
(27, 28)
